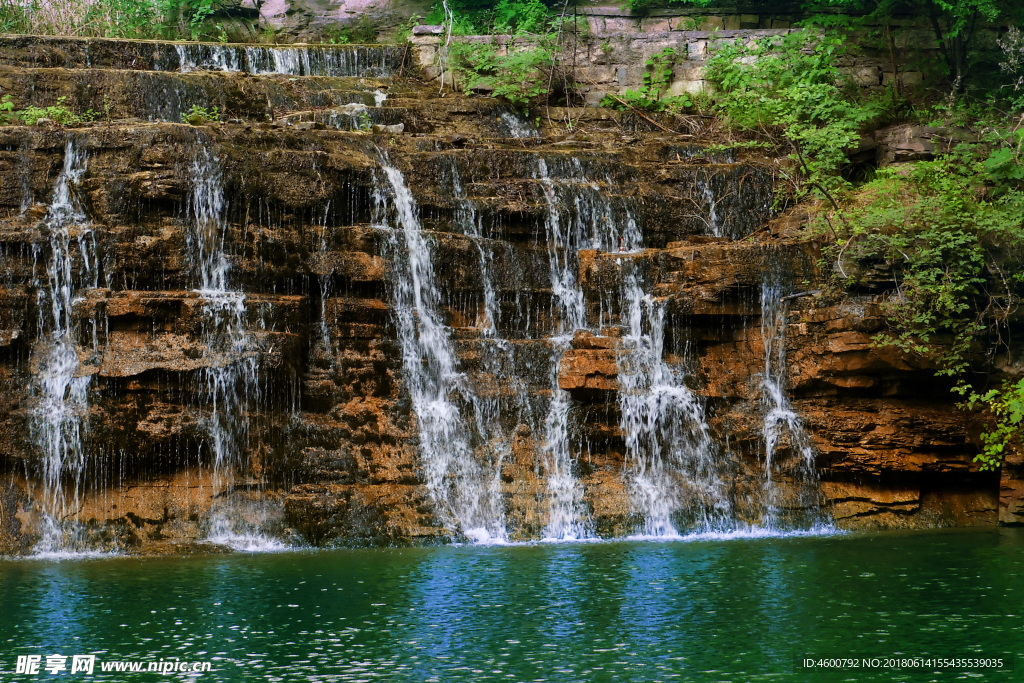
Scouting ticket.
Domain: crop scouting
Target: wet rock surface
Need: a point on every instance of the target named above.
(332, 440)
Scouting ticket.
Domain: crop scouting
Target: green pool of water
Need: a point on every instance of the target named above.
(715, 610)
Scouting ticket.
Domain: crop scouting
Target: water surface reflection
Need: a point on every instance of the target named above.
(737, 610)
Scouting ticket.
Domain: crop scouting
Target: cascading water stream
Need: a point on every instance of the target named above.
(674, 464)
(230, 382)
(779, 417)
(713, 222)
(467, 219)
(580, 215)
(497, 353)
(59, 419)
(566, 516)
(461, 486)
(324, 279)
(511, 124)
(334, 61)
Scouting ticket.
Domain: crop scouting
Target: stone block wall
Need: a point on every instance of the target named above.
(614, 62)
(608, 52)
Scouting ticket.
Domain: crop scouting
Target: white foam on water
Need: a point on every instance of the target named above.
(247, 543)
(745, 533)
(67, 555)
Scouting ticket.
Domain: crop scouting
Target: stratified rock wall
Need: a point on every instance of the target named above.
(332, 445)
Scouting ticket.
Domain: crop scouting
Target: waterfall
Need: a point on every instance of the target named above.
(325, 271)
(674, 466)
(580, 215)
(565, 507)
(467, 219)
(230, 381)
(779, 417)
(340, 61)
(59, 419)
(713, 222)
(496, 352)
(672, 461)
(484, 344)
(512, 125)
(461, 487)
(192, 57)
(362, 61)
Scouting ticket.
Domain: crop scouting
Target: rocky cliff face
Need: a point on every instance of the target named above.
(288, 326)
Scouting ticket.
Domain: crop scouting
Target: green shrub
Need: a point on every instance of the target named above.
(950, 234)
(360, 31)
(521, 17)
(651, 95)
(174, 19)
(524, 68)
(485, 17)
(788, 89)
(31, 115)
(941, 230)
(199, 116)
(518, 76)
(1006, 405)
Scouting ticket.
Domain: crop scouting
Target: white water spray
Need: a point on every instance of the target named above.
(460, 486)
(779, 417)
(673, 462)
(230, 378)
(59, 419)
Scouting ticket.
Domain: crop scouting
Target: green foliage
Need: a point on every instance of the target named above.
(658, 75)
(519, 75)
(955, 27)
(193, 13)
(363, 121)
(360, 31)
(1004, 165)
(690, 23)
(652, 94)
(633, 99)
(404, 32)
(785, 88)
(483, 17)
(942, 228)
(518, 71)
(949, 233)
(200, 116)
(657, 78)
(1007, 407)
(521, 17)
(175, 19)
(267, 36)
(31, 115)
